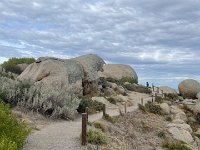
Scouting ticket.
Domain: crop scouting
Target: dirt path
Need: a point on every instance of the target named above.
(65, 135)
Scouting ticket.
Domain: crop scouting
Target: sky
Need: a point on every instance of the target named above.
(159, 39)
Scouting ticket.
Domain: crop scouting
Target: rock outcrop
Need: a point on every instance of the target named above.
(198, 95)
(168, 90)
(118, 71)
(91, 65)
(189, 88)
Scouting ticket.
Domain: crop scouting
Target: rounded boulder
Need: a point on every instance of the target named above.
(189, 88)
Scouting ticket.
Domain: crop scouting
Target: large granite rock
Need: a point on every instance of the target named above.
(198, 95)
(189, 88)
(91, 65)
(118, 71)
(168, 90)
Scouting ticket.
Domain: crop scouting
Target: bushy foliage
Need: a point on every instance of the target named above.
(153, 108)
(112, 100)
(46, 100)
(93, 106)
(13, 133)
(171, 97)
(100, 125)
(138, 88)
(11, 64)
(122, 81)
(110, 119)
(175, 145)
(159, 99)
(96, 137)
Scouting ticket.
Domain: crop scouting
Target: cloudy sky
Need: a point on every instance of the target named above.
(159, 39)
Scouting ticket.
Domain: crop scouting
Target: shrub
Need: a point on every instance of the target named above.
(159, 99)
(141, 107)
(168, 118)
(171, 97)
(112, 100)
(131, 80)
(139, 88)
(175, 145)
(96, 137)
(13, 133)
(93, 106)
(113, 80)
(100, 125)
(11, 64)
(153, 108)
(109, 118)
(161, 134)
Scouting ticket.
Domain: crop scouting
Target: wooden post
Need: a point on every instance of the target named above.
(157, 89)
(165, 95)
(125, 107)
(153, 87)
(162, 93)
(104, 110)
(152, 97)
(86, 111)
(142, 101)
(156, 96)
(84, 129)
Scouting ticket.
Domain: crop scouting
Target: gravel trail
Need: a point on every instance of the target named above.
(65, 135)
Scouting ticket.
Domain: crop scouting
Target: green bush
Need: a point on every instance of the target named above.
(175, 145)
(11, 64)
(13, 133)
(93, 106)
(159, 99)
(171, 97)
(139, 88)
(112, 100)
(100, 125)
(153, 108)
(141, 107)
(161, 134)
(96, 137)
(109, 118)
(131, 80)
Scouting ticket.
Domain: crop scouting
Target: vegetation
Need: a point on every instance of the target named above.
(177, 145)
(122, 81)
(138, 88)
(159, 99)
(13, 133)
(93, 106)
(161, 134)
(100, 125)
(171, 97)
(96, 137)
(109, 118)
(153, 108)
(150, 107)
(112, 100)
(11, 64)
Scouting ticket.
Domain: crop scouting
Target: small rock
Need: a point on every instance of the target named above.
(175, 110)
(182, 116)
(178, 121)
(165, 108)
(198, 95)
(183, 126)
(120, 90)
(181, 135)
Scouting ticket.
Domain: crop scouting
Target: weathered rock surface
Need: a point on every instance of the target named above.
(189, 88)
(165, 108)
(198, 95)
(181, 135)
(168, 90)
(175, 110)
(118, 71)
(91, 65)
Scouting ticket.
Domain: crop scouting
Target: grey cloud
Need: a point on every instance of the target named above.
(152, 34)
